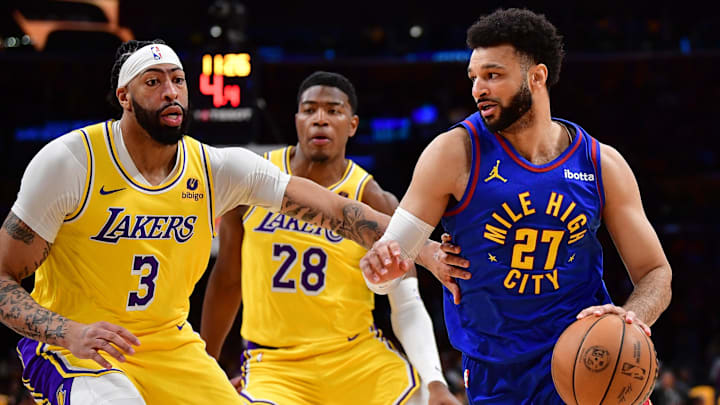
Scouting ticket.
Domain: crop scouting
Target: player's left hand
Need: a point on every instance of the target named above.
(444, 262)
(440, 394)
(629, 316)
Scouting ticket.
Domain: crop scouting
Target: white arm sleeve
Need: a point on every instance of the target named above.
(242, 177)
(52, 185)
(411, 233)
(413, 327)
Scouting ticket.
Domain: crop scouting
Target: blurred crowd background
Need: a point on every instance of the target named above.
(641, 76)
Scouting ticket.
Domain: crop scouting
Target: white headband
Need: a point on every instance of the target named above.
(143, 58)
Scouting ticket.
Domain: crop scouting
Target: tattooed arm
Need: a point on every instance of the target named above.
(348, 218)
(22, 251)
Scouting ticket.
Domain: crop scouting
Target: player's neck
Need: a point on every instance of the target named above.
(153, 160)
(326, 172)
(536, 137)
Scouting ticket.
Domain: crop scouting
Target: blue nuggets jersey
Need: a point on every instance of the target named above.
(530, 234)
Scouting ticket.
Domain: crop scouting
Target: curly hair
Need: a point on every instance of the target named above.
(330, 79)
(121, 55)
(531, 34)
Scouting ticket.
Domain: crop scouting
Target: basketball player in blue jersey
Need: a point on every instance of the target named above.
(309, 324)
(116, 221)
(523, 194)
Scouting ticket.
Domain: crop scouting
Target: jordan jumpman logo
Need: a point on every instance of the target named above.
(495, 175)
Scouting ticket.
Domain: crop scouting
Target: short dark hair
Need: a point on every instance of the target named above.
(330, 79)
(121, 55)
(529, 33)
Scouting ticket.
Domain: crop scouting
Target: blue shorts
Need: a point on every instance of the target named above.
(527, 383)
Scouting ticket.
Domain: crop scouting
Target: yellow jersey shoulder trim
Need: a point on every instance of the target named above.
(361, 186)
(88, 177)
(210, 183)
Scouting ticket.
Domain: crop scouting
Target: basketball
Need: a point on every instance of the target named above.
(603, 360)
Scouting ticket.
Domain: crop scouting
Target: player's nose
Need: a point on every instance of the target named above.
(320, 118)
(170, 92)
(480, 89)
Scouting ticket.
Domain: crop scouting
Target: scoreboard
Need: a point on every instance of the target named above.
(215, 69)
(222, 97)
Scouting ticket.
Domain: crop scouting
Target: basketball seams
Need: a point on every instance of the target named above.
(617, 361)
(580, 346)
(652, 355)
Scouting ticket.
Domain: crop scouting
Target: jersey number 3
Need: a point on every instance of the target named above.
(312, 277)
(142, 298)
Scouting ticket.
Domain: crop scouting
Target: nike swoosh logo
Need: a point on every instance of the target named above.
(106, 192)
(180, 326)
(351, 338)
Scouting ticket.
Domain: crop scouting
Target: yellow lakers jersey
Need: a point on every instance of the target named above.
(301, 283)
(131, 254)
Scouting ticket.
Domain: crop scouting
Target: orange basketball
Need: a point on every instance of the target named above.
(603, 360)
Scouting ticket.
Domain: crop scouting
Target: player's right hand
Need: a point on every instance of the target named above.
(86, 340)
(384, 262)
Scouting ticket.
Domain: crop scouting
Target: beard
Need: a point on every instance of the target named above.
(150, 122)
(519, 105)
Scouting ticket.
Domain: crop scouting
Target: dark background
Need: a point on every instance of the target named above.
(641, 77)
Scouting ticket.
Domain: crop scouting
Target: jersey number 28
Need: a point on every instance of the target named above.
(312, 277)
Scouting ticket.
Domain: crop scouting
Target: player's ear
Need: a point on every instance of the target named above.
(123, 97)
(354, 122)
(537, 75)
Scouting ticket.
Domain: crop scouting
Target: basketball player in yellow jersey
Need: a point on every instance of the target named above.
(307, 313)
(117, 219)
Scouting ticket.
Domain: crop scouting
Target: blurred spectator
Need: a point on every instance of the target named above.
(666, 390)
(684, 381)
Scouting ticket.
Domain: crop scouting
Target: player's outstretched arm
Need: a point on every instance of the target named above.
(256, 181)
(223, 294)
(22, 251)
(637, 244)
(442, 259)
(441, 172)
(319, 206)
